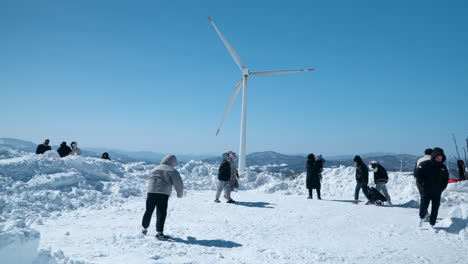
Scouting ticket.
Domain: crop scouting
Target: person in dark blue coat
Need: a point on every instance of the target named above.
(432, 175)
(313, 176)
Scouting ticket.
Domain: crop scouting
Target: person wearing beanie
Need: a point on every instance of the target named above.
(380, 179)
(362, 177)
(64, 150)
(42, 148)
(105, 156)
(160, 184)
(432, 175)
(313, 176)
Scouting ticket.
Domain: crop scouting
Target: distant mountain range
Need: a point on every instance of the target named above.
(293, 163)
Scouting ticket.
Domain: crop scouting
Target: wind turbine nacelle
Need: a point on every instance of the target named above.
(245, 72)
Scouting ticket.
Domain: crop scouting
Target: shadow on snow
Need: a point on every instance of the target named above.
(207, 243)
(255, 204)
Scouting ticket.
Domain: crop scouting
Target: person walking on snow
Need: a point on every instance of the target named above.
(313, 176)
(74, 149)
(224, 178)
(380, 179)
(160, 184)
(64, 150)
(432, 175)
(427, 156)
(362, 177)
(42, 148)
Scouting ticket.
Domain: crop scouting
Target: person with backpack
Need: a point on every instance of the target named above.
(75, 151)
(42, 148)
(64, 150)
(362, 177)
(313, 168)
(224, 179)
(380, 179)
(160, 184)
(432, 175)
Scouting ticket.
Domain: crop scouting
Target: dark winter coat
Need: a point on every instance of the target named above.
(461, 170)
(224, 172)
(431, 175)
(64, 150)
(313, 173)
(362, 172)
(42, 148)
(381, 175)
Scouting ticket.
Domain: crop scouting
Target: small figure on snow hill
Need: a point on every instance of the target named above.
(427, 156)
(461, 170)
(362, 177)
(432, 175)
(225, 172)
(42, 148)
(380, 178)
(64, 150)
(105, 156)
(160, 184)
(313, 175)
(74, 149)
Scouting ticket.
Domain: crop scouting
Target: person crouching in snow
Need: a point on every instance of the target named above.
(313, 176)
(224, 178)
(362, 177)
(380, 179)
(432, 175)
(160, 184)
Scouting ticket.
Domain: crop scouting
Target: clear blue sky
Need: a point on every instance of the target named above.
(391, 75)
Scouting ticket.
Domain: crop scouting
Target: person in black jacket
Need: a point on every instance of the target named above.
(380, 179)
(105, 156)
(64, 150)
(432, 175)
(362, 177)
(313, 175)
(42, 148)
(224, 179)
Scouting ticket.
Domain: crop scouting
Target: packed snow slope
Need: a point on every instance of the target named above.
(88, 210)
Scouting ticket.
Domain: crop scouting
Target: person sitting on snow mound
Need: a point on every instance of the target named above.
(225, 174)
(105, 156)
(64, 150)
(74, 149)
(160, 184)
(42, 148)
(432, 175)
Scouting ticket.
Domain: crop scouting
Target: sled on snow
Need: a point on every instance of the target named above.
(373, 195)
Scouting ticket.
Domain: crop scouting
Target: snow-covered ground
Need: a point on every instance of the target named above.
(87, 210)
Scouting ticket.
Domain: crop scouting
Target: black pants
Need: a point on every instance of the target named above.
(425, 200)
(318, 191)
(159, 201)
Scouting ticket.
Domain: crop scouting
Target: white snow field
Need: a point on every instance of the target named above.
(87, 210)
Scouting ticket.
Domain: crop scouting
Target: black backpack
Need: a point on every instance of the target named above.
(224, 173)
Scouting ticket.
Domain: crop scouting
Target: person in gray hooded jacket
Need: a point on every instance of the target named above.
(160, 184)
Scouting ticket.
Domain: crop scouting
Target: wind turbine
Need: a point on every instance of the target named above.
(242, 83)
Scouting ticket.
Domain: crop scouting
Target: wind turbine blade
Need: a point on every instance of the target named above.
(272, 73)
(228, 46)
(231, 101)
